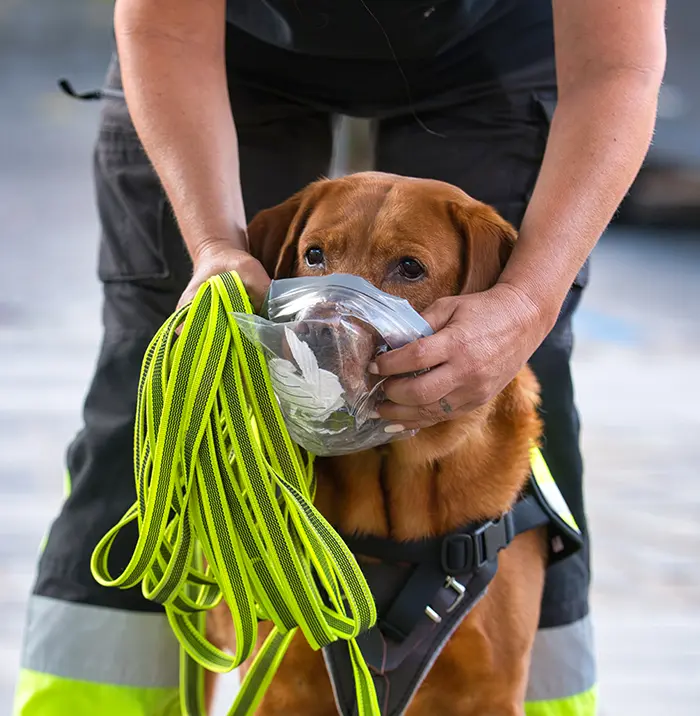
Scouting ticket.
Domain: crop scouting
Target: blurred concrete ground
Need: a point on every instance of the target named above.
(637, 358)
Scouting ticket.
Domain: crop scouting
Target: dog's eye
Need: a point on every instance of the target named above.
(410, 268)
(314, 256)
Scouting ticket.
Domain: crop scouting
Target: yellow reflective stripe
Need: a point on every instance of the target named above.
(40, 694)
(548, 488)
(217, 475)
(584, 704)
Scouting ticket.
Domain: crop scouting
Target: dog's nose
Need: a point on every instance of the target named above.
(317, 334)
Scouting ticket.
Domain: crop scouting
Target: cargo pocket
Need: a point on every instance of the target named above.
(546, 103)
(133, 209)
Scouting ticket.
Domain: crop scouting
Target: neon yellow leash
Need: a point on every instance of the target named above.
(217, 476)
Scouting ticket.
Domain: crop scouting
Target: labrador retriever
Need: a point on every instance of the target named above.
(421, 240)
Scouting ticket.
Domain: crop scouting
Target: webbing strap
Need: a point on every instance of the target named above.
(217, 476)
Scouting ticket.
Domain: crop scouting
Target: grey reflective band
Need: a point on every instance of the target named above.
(107, 646)
(563, 663)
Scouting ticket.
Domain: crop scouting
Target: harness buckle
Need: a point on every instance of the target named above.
(492, 537)
(459, 588)
(457, 553)
(432, 614)
(463, 552)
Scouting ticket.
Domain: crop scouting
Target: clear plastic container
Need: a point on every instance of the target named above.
(319, 335)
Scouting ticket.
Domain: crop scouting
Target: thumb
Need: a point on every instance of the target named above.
(188, 295)
(190, 292)
(422, 353)
(257, 283)
(438, 314)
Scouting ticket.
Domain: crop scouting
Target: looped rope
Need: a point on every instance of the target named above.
(218, 477)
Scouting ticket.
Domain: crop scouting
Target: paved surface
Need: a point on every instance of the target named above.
(637, 359)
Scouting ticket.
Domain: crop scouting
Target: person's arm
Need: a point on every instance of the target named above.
(172, 57)
(610, 61)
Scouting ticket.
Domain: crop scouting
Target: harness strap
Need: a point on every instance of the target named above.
(461, 552)
(529, 514)
(423, 590)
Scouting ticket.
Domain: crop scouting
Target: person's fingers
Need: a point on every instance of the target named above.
(423, 389)
(187, 295)
(439, 313)
(416, 356)
(257, 282)
(423, 353)
(415, 418)
(254, 277)
(251, 272)
(458, 402)
(398, 432)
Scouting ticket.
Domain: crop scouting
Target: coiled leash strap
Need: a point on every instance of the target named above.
(217, 476)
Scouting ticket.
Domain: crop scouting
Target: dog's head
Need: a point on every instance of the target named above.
(418, 239)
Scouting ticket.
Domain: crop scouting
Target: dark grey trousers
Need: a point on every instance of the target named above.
(488, 139)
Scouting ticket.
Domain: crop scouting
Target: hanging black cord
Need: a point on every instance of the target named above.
(97, 94)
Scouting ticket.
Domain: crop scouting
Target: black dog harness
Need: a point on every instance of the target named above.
(425, 588)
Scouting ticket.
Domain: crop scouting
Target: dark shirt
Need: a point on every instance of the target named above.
(368, 57)
(380, 29)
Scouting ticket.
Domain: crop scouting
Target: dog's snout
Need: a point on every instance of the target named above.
(318, 334)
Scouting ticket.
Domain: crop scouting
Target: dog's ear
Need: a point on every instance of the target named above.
(273, 233)
(488, 240)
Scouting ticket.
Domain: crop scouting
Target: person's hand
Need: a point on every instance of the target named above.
(480, 343)
(218, 257)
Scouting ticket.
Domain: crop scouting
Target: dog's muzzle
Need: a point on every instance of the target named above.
(319, 335)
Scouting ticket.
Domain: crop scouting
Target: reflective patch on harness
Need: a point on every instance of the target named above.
(549, 490)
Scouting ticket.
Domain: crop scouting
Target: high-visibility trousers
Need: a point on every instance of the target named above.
(83, 660)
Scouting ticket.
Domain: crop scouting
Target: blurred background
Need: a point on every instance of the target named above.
(637, 354)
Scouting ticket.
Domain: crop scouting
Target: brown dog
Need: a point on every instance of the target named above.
(421, 240)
